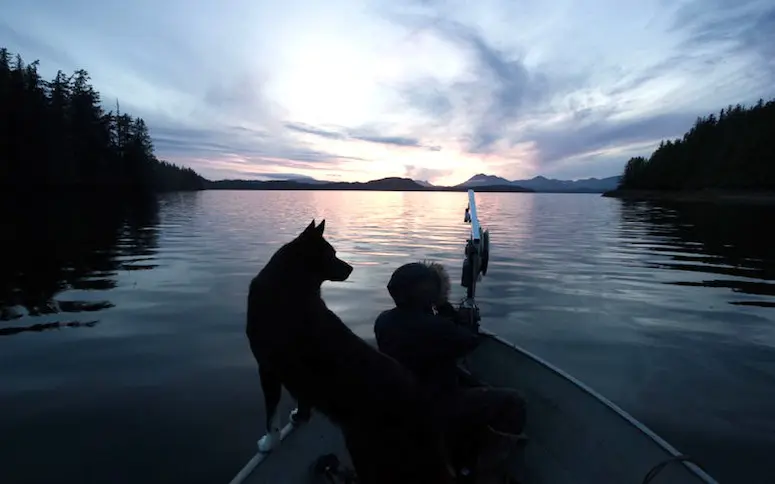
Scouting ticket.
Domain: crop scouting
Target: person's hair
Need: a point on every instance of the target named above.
(442, 278)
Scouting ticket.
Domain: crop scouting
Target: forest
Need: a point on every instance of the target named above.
(732, 151)
(56, 135)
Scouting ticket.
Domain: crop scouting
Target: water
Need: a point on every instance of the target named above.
(669, 311)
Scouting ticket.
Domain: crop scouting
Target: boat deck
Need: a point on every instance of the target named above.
(292, 460)
(575, 435)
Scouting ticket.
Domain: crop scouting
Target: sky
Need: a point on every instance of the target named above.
(354, 90)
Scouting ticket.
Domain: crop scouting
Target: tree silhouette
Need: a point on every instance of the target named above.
(55, 134)
(734, 151)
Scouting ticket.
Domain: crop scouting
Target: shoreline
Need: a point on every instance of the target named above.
(707, 196)
(367, 189)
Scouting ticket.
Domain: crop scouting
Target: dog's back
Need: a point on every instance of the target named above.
(383, 413)
(320, 359)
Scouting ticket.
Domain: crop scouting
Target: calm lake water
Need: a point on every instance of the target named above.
(669, 311)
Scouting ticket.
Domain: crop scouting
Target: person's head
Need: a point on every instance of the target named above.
(442, 277)
(419, 286)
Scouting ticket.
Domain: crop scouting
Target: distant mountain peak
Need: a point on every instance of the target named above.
(481, 181)
(392, 178)
(484, 179)
(296, 178)
(589, 185)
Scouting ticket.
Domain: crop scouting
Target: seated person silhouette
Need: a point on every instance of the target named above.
(423, 332)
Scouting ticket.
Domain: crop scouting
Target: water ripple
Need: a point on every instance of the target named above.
(651, 304)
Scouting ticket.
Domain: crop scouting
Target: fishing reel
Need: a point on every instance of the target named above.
(477, 258)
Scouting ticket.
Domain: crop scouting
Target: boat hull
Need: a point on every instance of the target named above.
(575, 435)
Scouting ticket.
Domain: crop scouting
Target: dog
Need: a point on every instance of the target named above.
(386, 419)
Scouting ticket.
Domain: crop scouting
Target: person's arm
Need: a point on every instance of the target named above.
(445, 338)
(448, 311)
(418, 336)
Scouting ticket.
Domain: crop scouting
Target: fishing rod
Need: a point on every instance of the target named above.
(477, 257)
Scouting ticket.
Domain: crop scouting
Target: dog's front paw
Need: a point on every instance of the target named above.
(268, 442)
(300, 415)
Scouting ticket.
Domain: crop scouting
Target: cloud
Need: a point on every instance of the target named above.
(579, 139)
(572, 117)
(274, 176)
(389, 140)
(506, 79)
(421, 173)
(316, 131)
(234, 140)
(22, 41)
(230, 150)
(368, 135)
(495, 92)
(288, 176)
(428, 97)
(730, 27)
(432, 89)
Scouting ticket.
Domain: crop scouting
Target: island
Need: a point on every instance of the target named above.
(729, 158)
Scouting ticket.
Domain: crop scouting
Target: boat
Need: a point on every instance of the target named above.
(575, 435)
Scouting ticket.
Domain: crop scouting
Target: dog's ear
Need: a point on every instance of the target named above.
(310, 227)
(320, 228)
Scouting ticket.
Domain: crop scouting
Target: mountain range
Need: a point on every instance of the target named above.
(394, 184)
(480, 182)
(543, 184)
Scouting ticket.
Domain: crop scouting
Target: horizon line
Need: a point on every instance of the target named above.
(307, 179)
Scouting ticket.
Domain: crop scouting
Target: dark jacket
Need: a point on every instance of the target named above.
(429, 345)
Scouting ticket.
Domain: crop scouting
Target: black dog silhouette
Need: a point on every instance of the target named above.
(300, 344)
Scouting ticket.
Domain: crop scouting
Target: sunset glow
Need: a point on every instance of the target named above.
(438, 91)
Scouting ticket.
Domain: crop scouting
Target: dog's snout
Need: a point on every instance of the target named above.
(342, 271)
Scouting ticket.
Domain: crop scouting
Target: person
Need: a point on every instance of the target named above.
(424, 333)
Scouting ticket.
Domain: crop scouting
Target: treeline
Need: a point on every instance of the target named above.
(55, 134)
(732, 151)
